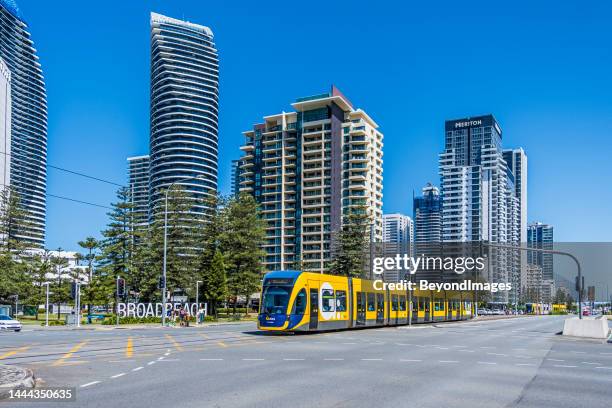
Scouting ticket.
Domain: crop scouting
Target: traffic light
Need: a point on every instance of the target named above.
(120, 287)
(73, 290)
(162, 283)
(578, 284)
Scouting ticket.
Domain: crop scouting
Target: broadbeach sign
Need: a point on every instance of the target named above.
(141, 310)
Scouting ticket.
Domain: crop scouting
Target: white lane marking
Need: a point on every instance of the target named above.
(349, 343)
(487, 347)
(118, 375)
(137, 368)
(579, 352)
(252, 359)
(447, 361)
(160, 358)
(166, 354)
(604, 368)
(497, 354)
(333, 359)
(410, 361)
(564, 366)
(466, 351)
(588, 362)
(487, 362)
(151, 363)
(90, 383)
(371, 359)
(442, 348)
(403, 344)
(211, 359)
(554, 359)
(293, 359)
(524, 364)
(606, 354)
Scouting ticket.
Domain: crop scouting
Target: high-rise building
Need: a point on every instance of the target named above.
(398, 234)
(138, 169)
(5, 126)
(28, 152)
(478, 195)
(309, 168)
(541, 236)
(235, 180)
(427, 212)
(184, 109)
(516, 159)
(397, 228)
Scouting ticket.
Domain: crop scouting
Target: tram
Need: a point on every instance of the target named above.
(295, 301)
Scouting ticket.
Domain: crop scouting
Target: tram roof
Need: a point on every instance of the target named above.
(283, 274)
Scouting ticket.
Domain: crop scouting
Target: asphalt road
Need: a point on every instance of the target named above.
(517, 362)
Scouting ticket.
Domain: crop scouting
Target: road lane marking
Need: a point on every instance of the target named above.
(13, 352)
(447, 361)
(137, 368)
(487, 362)
(466, 351)
(371, 359)
(579, 352)
(554, 359)
(211, 359)
(604, 368)
(176, 345)
(525, 364)
(90, 383)
(497, 354)
(252, 359)
(293, 359)
(564, 366)
(333, 359)
(405, 360)
(129, 348)
(588, 362)
(118, 375)
(151, 363)
(222, 344)
(69, 353)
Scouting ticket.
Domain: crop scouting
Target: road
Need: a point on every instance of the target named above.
(518, 362)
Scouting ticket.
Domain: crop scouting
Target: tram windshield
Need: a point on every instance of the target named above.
(275, 299)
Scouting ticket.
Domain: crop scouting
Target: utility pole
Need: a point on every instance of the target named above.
(47, 306)
(197, 301)
(117, 298)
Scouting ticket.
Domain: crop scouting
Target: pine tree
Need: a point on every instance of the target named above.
(90, 244)
(241, 242)
(351, 244)
(214, 282)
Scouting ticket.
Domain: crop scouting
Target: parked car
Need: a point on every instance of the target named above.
(8, 323)
(483, 311)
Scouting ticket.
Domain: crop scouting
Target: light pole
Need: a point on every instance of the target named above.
(47, 306)
(164, 284)
(197, 301)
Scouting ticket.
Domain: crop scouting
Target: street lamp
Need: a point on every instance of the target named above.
(197, 300)
(164, 284)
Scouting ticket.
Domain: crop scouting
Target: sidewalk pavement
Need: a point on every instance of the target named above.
(12, 377)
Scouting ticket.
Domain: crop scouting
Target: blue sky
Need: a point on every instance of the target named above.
(542, 69)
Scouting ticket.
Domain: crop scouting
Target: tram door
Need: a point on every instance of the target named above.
(380, 308)
(361, 309)
(314, 309)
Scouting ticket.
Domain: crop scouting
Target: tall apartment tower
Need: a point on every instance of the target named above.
(427, 210)
(541, 236)
(235, 178)
(516, 159)
(5, 125)
(308, 168)
(184, 109)
(139, 178)
(28, 141)
(398, 230)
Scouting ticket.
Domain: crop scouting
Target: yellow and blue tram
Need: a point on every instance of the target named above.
(297, 301)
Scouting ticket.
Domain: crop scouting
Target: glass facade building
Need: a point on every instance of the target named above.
(184, 109)
(28, 145)
(138, 170)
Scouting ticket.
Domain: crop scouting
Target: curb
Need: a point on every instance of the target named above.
(26, 380)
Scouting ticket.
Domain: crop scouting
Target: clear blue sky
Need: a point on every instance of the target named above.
(544, 70)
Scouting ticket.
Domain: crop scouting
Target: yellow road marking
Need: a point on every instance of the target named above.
(129, 348)
(13, 352)
(205, 336)
(69, 353)
(222, 344)
(176, 345)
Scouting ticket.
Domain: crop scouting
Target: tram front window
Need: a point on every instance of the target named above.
(275, 299)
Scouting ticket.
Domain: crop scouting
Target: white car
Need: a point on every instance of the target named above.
(8, 323)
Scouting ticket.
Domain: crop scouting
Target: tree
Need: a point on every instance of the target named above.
(214, 282)
(241, 242)
(90, 244)
(351, 244)
(61, 289)
(41, 267)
